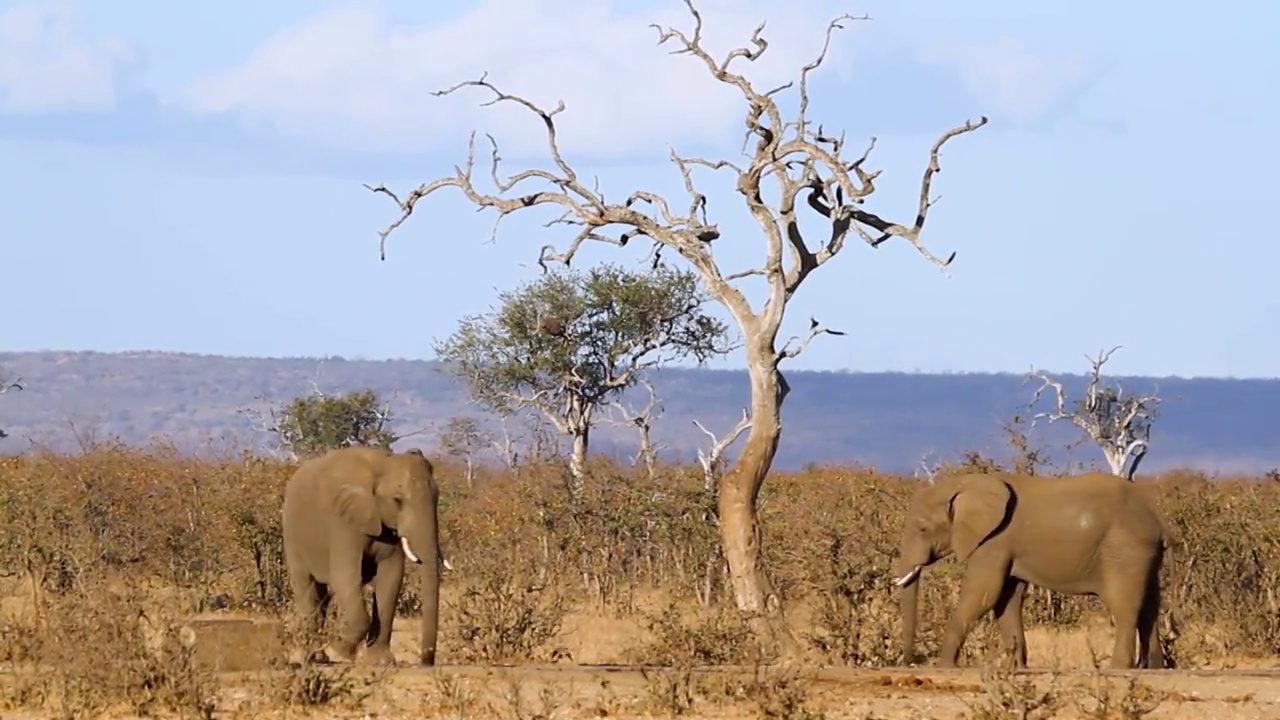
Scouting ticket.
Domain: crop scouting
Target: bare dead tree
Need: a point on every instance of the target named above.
(6, 386)
(505, 445)
(802, 159)
(927, 469)
(713, 460)
(1119, 424)
(642, 420)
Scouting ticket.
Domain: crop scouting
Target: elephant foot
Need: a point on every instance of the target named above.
(337, 655)
(378, 655)
(300, 657)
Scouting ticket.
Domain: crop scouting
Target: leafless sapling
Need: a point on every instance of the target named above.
(7, 385)
(642, 420)
(808, 166)
(506, 445)
(1119, 424)
(464, 437)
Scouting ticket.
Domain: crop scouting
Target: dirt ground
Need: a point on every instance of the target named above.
(587, 685)
(599, 692)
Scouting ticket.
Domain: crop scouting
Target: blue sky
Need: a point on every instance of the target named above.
(188, 177)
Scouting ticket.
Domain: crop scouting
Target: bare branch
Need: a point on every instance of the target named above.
(814, 331)
(930, 470)
(798, 157)
(263, 420)
(713, 461)
(642, 420)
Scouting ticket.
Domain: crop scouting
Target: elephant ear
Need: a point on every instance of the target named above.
(358, 507)
(977, 509)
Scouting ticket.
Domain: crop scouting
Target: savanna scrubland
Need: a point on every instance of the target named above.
(142, 581)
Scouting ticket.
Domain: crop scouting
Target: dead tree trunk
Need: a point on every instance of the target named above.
(578, 459)
(740, 488)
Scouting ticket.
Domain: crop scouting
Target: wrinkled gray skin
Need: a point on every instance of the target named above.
(1092, 534)
(351, 517)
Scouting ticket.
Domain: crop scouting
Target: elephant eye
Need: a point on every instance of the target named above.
(399, 501)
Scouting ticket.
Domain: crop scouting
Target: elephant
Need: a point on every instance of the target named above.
(351, 516)
(1092, 534)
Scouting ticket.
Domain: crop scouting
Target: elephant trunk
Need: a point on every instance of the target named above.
(909, 605)
(430, 591)
(911, 562)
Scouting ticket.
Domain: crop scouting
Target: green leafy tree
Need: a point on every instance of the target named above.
(791, 166)
(568, 342)
(310, 425)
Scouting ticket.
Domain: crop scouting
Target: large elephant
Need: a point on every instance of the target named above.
(351, 517)
(1093, 534)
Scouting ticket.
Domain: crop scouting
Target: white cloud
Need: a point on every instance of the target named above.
(350, 76)
(47, 64)
(1015, 80)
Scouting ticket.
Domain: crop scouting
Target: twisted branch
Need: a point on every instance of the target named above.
(802, 159)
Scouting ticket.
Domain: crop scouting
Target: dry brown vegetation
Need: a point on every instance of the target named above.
(144, 582)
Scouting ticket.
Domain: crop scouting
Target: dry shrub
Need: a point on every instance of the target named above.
(501, 619)
(714, 636)
(312, 686)
(102, 649)
(1222, 575)
(206, 531)
(1008, 696)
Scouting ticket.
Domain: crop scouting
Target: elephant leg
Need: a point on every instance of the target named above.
(984, 579)
(1150, 652)
(1124, 596)
(309, 604)
(386, 589)
(1008, 613)
(348, 592)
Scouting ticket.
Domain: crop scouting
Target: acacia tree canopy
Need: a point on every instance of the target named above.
(567, 342)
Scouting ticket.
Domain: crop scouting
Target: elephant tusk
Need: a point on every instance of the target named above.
(447, 565)
(408, 552)
(911, 575)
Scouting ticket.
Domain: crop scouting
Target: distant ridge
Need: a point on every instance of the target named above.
(889, 420)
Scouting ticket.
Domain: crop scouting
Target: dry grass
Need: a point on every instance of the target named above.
(119, 562)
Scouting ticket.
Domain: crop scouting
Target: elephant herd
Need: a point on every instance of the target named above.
(353, 516)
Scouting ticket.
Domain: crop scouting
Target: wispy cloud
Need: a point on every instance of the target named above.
(1025, 85)
(353, 81)
(47, 64)
(351, 77)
